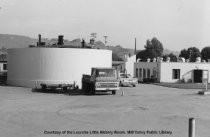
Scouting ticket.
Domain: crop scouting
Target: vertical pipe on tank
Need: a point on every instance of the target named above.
(60, 40)
(39, 40)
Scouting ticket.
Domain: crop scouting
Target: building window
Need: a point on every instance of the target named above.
(144, 73)
(137, 72)
(148, 73)
(140, 72)
(4, 66)
(176, 74)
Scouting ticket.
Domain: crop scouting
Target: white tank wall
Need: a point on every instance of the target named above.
(29, 67)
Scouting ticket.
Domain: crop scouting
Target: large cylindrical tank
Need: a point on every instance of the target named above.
(29, 67)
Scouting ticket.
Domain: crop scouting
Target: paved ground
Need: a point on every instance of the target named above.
(146, 109)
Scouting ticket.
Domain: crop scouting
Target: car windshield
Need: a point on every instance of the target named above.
(123, 76)
(105, 73)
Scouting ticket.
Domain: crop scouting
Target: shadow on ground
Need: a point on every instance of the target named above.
(183, 85)
(3, 84)
(75, 92)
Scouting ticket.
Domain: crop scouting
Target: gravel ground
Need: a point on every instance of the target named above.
(145, 111)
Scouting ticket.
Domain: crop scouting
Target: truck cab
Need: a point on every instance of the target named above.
(101, 80)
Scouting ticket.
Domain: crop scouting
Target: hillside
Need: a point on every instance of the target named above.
(17, 41)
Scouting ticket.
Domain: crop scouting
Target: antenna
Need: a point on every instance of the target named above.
(105, 39)
(135, 47)
(93, 35)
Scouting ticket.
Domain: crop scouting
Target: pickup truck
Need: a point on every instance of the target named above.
(127, 80)
(101, 80)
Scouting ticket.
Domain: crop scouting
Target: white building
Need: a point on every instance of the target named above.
(29, 67)
(3, 71)
(192, 72)
(119, 65)
(125, 66)
(129, 65)
(3, 66)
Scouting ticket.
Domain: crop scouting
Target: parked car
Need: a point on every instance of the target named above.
(127, 80)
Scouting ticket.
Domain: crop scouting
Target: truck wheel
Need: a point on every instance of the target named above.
(44, 86)
(65, 89)
(120, 84)
(113, 92)
(134, 85)
(92, 90)
(84, 87)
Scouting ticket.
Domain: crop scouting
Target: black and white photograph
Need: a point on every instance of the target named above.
(104, 68)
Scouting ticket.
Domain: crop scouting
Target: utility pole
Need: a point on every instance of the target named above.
(135, 47)
(135, 50)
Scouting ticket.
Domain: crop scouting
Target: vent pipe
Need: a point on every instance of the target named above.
(159, 59)
(168, 59)
(60, 40)
(182, 59)
(83, 43)
(92, 41)
(39, 40)
(135, 47)
(198, 59)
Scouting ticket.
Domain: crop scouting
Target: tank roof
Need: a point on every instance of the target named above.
(102, 68)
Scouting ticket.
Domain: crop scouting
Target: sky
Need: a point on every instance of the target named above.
(177, 24)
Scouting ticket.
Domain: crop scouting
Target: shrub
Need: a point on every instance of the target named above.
(149, 80)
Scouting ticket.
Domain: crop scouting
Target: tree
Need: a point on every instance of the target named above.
(153, 49)
(143, 55)
(184, 54)
(173, 58)
(3, 54)
(3, 57)
(191, 53)
(3, 49)
(205, 53)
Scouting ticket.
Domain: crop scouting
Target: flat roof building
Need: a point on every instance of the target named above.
(189, 72)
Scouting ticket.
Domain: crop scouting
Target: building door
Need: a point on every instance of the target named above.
(198, 75)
